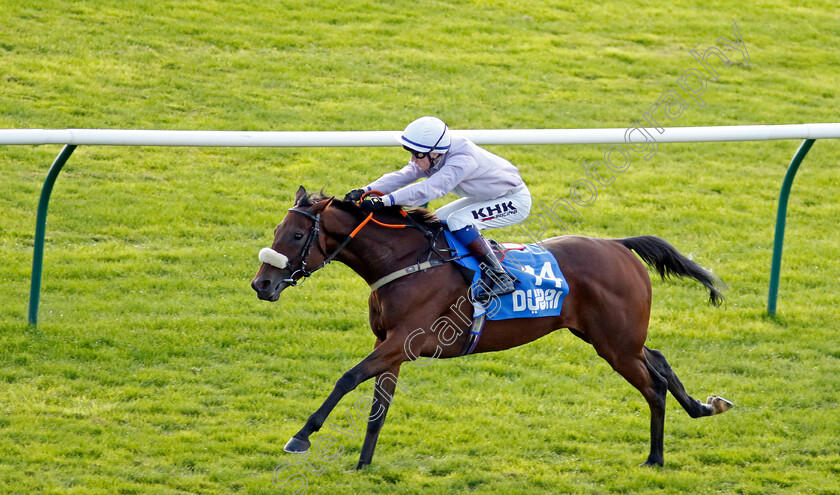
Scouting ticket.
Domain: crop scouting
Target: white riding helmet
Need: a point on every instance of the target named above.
(426, 135)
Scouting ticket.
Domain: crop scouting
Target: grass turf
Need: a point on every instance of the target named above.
(154, 369)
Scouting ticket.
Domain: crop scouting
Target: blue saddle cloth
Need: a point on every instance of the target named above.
(539, 283)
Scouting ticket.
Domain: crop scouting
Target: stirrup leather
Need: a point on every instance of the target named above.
(495, 281)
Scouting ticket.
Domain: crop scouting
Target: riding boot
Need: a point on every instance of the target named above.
(494, 279)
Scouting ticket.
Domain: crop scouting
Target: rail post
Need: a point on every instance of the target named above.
(40, 231)
(779, 239)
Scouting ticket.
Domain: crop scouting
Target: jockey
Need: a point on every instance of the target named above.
(492, 192)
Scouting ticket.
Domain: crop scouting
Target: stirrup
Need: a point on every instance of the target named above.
(501, 285)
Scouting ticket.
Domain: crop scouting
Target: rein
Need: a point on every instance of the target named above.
(302, 272)
(477, 325)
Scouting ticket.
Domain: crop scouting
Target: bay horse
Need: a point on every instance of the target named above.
(608, 305)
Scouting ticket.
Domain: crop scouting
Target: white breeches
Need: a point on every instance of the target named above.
(482, 214)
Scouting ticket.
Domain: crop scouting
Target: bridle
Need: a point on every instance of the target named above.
(302, 273)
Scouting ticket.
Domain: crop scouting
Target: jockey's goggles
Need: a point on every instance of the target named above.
(418, 155)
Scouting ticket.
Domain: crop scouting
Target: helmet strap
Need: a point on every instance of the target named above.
(434, 146)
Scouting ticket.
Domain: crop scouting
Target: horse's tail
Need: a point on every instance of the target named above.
(668, 262)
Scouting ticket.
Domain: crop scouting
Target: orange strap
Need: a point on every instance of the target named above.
(388, 225)
(370, 217)
(378, 193)
(377, 222)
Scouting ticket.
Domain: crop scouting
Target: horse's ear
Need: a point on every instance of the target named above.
(321, 206)
(300, 197)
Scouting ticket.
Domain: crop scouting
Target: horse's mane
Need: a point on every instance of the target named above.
(422, 216)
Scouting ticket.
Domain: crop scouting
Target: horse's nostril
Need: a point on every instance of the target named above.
(259, 285)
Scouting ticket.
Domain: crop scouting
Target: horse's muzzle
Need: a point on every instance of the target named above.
(268, 289)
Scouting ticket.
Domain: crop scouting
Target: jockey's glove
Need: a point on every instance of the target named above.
(371, 204)
(354, 195)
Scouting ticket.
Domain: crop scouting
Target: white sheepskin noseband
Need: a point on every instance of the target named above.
(273, 258)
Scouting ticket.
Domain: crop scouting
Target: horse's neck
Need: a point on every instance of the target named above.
(373, 258)
(375, 252)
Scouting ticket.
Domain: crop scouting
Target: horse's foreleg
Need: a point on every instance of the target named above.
(694, 408)
(383, 395)
(383, 358)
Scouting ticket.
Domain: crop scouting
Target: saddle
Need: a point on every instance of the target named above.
(538, 281)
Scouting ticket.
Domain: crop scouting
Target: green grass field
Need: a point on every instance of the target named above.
(155, 369)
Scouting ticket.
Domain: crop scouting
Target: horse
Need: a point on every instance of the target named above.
(608, 305)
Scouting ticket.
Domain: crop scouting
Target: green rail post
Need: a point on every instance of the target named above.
(776, 263)
(40, 231)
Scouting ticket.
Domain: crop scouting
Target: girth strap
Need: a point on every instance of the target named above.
(387, 279)
(477, 325)
(475, 334)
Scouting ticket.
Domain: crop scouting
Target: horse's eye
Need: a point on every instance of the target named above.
(298, 236)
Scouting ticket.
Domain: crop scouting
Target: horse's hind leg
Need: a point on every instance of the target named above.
(654, 387)
(694, 408)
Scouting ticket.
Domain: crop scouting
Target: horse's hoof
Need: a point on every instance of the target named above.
(297, 446)
(718, 404)
(653, 463)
